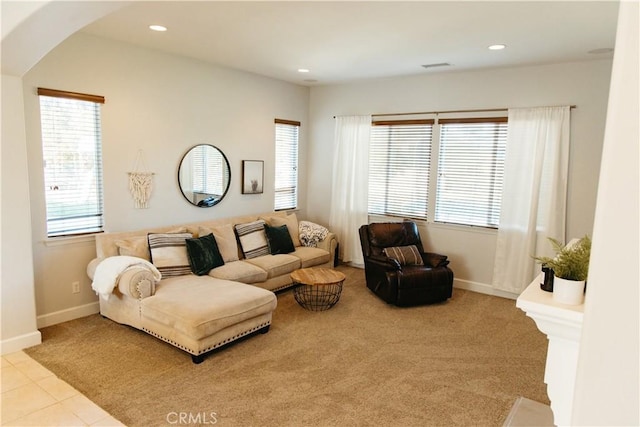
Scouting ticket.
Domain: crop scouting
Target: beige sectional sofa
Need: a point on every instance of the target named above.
(200, 313)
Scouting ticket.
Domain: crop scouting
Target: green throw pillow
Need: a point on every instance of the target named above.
(279, 239)
(203, 254)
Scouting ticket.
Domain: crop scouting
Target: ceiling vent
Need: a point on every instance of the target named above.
(440, 64)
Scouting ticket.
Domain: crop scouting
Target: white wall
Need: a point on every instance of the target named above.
(584, 84)
(18, 328)
(161, 104)
(608, 378)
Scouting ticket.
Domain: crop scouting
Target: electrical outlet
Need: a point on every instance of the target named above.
(75, 287)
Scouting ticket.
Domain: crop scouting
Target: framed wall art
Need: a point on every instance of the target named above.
(252, 176)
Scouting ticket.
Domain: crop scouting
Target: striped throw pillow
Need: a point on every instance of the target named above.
(253, 239)
(169, 253)
(405, 255)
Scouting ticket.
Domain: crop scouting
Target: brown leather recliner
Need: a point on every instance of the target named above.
(400, 279)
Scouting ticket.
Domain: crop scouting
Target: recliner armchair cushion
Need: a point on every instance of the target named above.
(435, 260)
(389, 234)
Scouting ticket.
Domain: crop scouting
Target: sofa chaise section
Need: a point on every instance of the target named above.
(217, 312)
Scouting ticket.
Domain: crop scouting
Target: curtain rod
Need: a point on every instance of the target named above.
(484, 110)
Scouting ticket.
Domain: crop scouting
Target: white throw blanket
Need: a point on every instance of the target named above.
(107, 272)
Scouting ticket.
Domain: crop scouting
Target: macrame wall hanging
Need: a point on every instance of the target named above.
(140, 183)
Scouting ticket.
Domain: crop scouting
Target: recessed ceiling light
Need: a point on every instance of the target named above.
(303, 70)
(157, 28)
(497, 46)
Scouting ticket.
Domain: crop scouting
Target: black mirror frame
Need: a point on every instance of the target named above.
(226, 190)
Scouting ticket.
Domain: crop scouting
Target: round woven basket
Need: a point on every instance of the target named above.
(317, 297)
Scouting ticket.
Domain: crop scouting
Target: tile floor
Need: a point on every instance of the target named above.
(526, 412)
(33, 396)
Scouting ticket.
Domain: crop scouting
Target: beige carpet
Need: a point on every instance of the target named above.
(463, 362)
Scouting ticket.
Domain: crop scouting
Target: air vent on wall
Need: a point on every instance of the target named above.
(440, 64)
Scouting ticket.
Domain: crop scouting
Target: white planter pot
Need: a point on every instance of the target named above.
(569, 292)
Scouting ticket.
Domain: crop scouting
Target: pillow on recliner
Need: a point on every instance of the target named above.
(405, 255)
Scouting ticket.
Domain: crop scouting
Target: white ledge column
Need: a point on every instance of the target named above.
(563, 326)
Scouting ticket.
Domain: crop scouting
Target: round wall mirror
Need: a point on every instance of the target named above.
(204, 175)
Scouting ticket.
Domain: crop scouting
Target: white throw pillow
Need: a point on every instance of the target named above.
(253, 239)
(169, 253)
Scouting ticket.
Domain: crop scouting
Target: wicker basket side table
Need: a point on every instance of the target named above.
(317, 289)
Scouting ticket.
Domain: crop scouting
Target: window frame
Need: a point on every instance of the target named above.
(291, 191)
(93, 130)
(409, 132)
(493, 119)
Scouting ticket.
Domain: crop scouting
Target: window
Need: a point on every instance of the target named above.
(470, 171)
(72, 158)
(286, 168)
(464, 158)
(399, 163)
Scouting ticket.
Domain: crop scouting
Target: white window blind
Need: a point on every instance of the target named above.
(470, 171)
(286, 179)
(204, 160)
(399, 159)
(72, 157)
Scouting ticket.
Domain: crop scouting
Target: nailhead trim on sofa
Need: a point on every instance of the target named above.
(228, 340)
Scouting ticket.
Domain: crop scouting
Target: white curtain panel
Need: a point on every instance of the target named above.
(349, 196)
(534, 196)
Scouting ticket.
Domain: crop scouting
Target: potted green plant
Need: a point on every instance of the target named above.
(570, 268)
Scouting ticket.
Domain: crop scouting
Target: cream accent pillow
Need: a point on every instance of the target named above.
(291, 221)
(136, 246)
(225, 239)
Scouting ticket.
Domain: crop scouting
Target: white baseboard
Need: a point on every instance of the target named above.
(483, 288)
(20, 342)
(69, 314)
